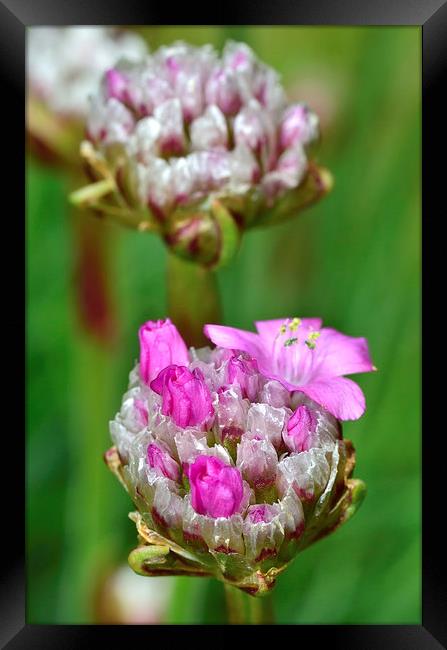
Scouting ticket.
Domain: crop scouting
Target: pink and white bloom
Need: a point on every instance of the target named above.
(65, 64)
(201, 103)
(160, 346)
(237, 470)
(185, 396)
(305, 357)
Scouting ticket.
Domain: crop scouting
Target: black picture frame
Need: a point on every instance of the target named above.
(431, 16)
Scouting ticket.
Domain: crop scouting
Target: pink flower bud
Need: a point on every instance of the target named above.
(172, 137)
(243, 371)
(290, 169)
(116, 84)
(299, 126)
(258, 461)
(300, 427)
(239, 56)
(249, 128)
(263, 513)
(159, 459)
(185, 396)
(231, 412)
(109, 122)
(209, 131)
(141, 410)
(222, 90)
(160, 346)
(216, 488)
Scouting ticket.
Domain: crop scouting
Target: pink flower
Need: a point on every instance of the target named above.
(159, 459)
(216, 488)
(298, 435)
(305, 357)
(185, 396)
(116, 84)
(243, 371)
(299, 126)
(160, 346)
(222, 90)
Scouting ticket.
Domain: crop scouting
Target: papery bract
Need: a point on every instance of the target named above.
(257, 461)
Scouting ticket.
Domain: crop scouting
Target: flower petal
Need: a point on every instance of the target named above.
(340, 396)
(338, 354)
(235, 339)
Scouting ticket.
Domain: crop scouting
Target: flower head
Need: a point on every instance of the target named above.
(201, 146)
(228, 482)
(64, 67)
(306, 357)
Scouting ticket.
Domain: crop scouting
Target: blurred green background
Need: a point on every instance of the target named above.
(353, 259)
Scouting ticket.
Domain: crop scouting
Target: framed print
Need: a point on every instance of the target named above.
(223, 336)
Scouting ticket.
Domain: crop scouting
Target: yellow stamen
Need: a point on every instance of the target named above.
(296, 322)
(311, 339)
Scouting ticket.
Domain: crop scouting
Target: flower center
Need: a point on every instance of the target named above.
(290, 351)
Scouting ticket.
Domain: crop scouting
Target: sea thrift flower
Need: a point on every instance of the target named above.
(160, 346)
(228, 482)
(305, 357)
(200, 147)
(64, 67)
(185, 396)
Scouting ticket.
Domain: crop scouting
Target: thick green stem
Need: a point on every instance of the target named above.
(248, 610)
(193, 299)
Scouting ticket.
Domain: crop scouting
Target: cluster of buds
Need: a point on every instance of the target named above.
(234, 455)
(199, 148)
(64, 67)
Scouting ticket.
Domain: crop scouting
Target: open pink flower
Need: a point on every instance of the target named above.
(216, 488)
(185, 396)
(305, 357)
(160, 346)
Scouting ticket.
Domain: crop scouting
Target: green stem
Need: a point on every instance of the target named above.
(91, 541)
(245, 609)
(193, 299)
